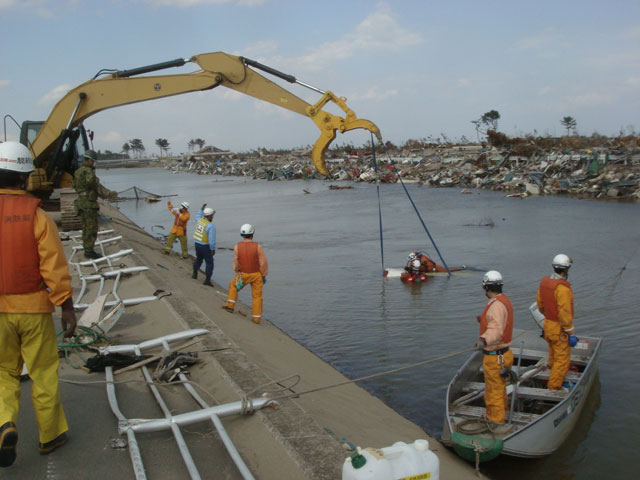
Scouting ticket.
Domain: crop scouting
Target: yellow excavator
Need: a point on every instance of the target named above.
(57, 143)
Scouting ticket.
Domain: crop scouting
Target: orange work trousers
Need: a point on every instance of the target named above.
(495, 394)
(559, 353)
(255, 280)
(30, 338)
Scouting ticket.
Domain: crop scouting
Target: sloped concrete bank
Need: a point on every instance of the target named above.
(302, 439)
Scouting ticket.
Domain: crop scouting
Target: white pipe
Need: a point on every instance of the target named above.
(182, 445)
(113, 256)
(98, 243)
(134, 449)
(127, 302)
(113, 273)
(224, 436)
(189, 418)
(156, 342)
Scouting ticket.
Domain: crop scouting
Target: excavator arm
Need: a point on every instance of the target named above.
(123, 87)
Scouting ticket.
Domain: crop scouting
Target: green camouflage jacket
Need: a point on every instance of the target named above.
(86, 184)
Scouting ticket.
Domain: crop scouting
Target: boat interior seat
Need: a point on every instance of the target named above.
(571, 377)
(470, 411)
(538, 354)
(526, 392)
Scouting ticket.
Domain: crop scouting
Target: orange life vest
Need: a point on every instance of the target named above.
(248, 257)
(508, 329)
(428, 265)
(547, 288)
(178, 222)
(20, 265)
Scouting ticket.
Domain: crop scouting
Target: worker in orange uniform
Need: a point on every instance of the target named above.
(179, 229)
(34, 277)
(413, 272)
(428, 265)
(555, 301)
(496, 329)
(251, 267)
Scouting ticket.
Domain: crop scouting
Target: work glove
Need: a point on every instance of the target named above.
(480, 344)
(264, 279)
(213, 252)
(573, 340)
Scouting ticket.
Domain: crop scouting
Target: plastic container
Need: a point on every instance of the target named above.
(397, 462)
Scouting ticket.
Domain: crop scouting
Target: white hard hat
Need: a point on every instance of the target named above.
(185, 205)
(415, 264)
(412, 256)
(492, 277)
(15, 157)
(208, 212)
(561, 261)
(247, 229)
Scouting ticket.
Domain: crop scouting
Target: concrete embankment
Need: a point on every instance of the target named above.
(300, 439)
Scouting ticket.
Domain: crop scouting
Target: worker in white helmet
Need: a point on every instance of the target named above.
(555, 301)
(427, 265)
(251, 267)
(179, 229)
(204, 237)
(496, 330)
(34, 278)
(413, 273)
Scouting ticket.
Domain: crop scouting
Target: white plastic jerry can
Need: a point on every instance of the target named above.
(397, 462)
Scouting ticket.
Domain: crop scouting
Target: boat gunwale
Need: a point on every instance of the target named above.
(592, 360)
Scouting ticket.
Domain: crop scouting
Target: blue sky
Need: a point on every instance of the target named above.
(416, 68)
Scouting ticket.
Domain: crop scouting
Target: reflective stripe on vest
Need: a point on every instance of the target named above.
(200, 233)
(248, 257)
(178, 222)
(548, 287)
(20, 265)
(508, 329)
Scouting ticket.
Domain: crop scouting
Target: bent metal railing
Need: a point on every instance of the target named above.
(173, 422)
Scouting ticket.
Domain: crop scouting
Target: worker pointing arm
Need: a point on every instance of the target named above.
(179, 228)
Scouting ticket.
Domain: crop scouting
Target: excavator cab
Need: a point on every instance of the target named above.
(55, 168)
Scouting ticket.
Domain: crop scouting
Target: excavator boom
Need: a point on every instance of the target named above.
(216, 69)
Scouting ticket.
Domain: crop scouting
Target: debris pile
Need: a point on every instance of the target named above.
(594, 173)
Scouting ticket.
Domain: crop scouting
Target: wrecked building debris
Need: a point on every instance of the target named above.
(591, 173)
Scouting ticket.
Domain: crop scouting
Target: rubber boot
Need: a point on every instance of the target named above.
(207, 281)
(195, 274)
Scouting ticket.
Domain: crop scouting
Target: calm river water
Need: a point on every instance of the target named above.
(326, 290)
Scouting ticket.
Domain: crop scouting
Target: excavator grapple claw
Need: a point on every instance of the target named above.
(328, 135)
